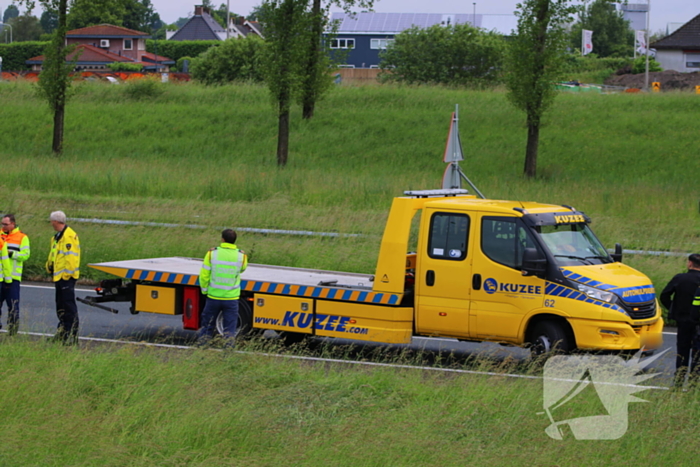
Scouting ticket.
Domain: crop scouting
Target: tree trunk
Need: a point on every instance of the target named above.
(533, 141)
(309, 97)
(58, 116)
(283, 135)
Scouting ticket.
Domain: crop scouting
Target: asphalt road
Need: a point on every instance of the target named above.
(38, 315)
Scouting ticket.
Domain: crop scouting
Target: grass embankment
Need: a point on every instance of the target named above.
(206, 156)
(140, 407)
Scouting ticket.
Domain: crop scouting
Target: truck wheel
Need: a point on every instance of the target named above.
(548, 337)
(245, 320)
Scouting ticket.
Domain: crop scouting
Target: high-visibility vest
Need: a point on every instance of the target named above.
(64, 256)
(696, 300)
(18, 248)
(220, 276)
(5, 264)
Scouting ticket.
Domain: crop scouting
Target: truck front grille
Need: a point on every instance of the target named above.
(641, 311)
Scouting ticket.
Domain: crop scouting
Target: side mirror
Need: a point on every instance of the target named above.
(534, 263)
(617, 256)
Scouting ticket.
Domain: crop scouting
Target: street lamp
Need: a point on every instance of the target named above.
(9, 26)
(474, 16)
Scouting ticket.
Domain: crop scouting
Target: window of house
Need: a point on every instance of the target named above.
(448, 236)
(343, 44)
(128, 44)
(379, 43)
(692, 60)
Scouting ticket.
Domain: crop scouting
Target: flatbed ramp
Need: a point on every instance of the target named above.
(260, 278)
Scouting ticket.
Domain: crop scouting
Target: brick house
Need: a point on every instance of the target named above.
(104, 44)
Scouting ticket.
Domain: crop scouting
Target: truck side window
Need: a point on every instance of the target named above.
(448, 236)
(503, 240)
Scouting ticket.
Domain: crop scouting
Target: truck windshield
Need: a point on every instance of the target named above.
(573, 244)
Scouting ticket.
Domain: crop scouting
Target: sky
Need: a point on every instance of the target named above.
(662, 11)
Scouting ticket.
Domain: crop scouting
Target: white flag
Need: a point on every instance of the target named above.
(587, 42)
(641, 41)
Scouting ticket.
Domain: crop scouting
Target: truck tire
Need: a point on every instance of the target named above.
(548, 337)
(245, 320)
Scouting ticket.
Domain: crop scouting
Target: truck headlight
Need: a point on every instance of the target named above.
(597, 293)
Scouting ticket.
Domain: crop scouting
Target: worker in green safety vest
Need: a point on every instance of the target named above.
(220, 281)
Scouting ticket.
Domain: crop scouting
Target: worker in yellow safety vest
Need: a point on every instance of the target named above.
(220, 281)
(18, 251)
(64, 266)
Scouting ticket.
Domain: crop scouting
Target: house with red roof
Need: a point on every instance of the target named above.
(100, 45)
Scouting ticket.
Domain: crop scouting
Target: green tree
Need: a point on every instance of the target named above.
(84, 13)
(10, 12)
(456, 55)
(317, 80)
(234, 60)
(286, 33)
(536, 59)
(26, 28)
(54, 79)
(49, 21)
(140, 16)
(612, 36)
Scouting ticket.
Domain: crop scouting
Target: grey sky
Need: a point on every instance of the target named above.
(662, 11)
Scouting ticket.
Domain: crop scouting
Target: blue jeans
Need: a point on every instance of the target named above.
(211, 311)
(9, 293)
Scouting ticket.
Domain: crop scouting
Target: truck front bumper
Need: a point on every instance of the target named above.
(612, 335)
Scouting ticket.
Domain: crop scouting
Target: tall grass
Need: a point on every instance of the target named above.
(137, 407)
(201, 155)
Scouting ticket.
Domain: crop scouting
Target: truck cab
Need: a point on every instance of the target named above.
(515, 272)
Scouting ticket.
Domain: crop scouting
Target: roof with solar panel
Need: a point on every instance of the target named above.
(394, 23)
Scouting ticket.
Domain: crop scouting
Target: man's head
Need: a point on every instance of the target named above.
(58, 220)
(229, 236)
(694, 261)
(8, 223)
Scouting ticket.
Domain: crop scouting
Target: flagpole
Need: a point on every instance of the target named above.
(646, 66)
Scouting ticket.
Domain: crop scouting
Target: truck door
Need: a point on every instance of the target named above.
(498, 307)
(443, 274)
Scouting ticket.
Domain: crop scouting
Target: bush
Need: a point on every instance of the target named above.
(454, 55)
(142, 89)
(593, 68)
(234, 60)
(640, 65)
(122, 66)
(180, 65)
(175, 50)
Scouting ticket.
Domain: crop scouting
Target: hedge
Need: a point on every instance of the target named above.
(175, 50)
(15, 55)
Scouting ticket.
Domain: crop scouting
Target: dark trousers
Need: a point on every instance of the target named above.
(684, 344)
(9, 293)
(211, 311)
(67, 311)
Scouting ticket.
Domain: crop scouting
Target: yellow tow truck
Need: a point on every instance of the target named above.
(481, 270)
